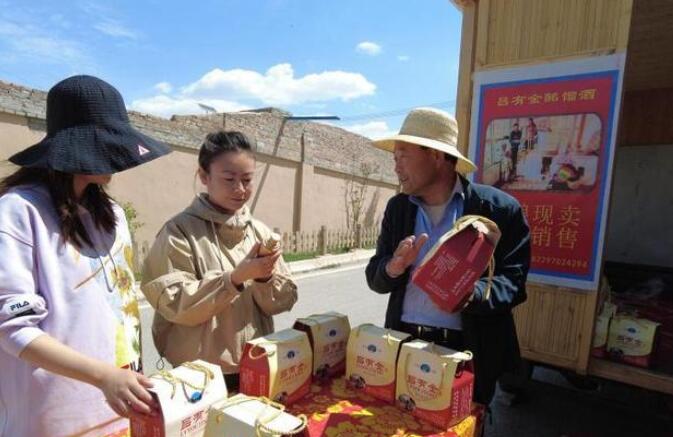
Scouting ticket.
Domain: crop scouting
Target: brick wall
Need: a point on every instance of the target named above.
(324, 146)
(303, 167)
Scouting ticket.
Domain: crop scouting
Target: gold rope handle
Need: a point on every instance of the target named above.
(266, 353)
(232, 402)
(169, 378)
(275, 413)
(433, 349)
(489, 283)
(173, 380)
(469, 356)
(297, 430)
(464, 222)
(208, 375)
(261, 423)
(245, 398)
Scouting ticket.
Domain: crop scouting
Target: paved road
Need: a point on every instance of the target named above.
(554, 407)
(345, 291)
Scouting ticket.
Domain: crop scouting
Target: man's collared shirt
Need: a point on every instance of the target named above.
(418, 308)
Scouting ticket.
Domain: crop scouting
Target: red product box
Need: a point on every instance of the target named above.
(450, 269)
(277, 366)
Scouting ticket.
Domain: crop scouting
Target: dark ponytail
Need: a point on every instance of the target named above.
(221, 142)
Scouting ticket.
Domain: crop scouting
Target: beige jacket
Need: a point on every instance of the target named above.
(199, 312)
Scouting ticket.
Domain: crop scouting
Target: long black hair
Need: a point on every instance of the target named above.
(221, 142)
(60, 186)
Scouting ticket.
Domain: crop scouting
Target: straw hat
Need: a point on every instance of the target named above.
(430, 127)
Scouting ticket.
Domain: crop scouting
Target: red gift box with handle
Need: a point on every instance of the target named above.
(450, 269)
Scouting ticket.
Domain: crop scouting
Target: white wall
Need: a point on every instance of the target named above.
(640, 224)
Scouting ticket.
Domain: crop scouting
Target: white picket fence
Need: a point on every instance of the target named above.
(328, 240)
(322, 242)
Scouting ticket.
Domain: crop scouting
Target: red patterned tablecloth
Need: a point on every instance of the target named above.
(334, 410)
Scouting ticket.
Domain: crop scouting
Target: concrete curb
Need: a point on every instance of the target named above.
(327, 262)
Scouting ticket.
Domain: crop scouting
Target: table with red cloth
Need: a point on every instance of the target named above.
(335, 410)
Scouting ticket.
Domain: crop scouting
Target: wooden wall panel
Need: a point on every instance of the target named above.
(501, 33)
(647, 117)
(555, 323)
(521, 30)
(649, 63)
(464, 94)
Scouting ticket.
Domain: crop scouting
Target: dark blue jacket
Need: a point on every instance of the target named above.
(488, 325)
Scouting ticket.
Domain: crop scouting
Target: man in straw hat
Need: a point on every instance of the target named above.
(434, 195)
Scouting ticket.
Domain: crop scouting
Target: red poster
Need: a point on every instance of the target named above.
(549, 142)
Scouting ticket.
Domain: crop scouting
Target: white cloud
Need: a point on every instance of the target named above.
(368, 48)
(373, 129)
(164, 87)
(279, 86)
(239, 89)
(25, 40)
(165, 106)
(106, 20)
(115, 29)
(403, 58)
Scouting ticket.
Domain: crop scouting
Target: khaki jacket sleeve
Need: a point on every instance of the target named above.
(278, 294)
(171, 285)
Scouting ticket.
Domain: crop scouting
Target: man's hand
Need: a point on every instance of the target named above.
(255, 267)
(405, 254)
(491, 232)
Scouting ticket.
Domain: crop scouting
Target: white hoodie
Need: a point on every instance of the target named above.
(83, 298)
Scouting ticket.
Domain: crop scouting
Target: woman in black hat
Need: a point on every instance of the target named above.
(67, 301)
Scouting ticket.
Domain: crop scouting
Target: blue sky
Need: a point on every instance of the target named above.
(354, 59)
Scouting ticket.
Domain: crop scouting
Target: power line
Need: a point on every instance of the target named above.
(395, 112)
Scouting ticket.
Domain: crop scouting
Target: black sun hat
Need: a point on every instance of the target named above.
(88, 132)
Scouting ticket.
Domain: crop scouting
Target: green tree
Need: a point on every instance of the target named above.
(132, 218)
